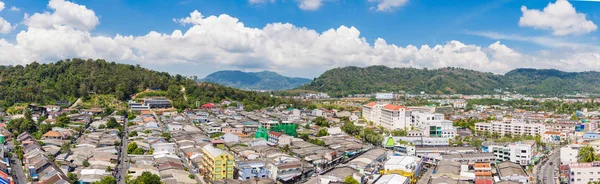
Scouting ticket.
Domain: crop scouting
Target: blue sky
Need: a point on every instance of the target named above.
(492, 36)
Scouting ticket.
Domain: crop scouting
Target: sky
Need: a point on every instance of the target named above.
(304, 38)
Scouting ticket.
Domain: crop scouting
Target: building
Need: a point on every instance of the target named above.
(216, 163)
(520, 153)
(157, 102)
(432, 124)
(459, 105)
(384, 96)
(417, 141)
(402, 165)
(508, 171)
(582, 173)
(389, 116)
(568, 153)
(512, 127)
(317, 113)
(251, 169)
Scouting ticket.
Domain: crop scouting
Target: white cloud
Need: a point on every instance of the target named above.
(310, 5)
(14, 8)
(225, 42)
(195, 18)
(5, 26)
(1, 5)
(560, 17)
(546, 41)
(387, 5)
(64, 13)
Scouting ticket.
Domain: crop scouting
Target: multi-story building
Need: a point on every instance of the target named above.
(433, 124)
(216, 163)
(387, 115)
(583, 173)
(520, 153)
(251, 169)
(512, 127)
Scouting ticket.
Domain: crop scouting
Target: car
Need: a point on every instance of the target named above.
(550, 163)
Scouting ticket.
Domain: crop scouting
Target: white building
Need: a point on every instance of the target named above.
(317, 113)
(512, 127)
(582, 173)
(460, 105)
(389, 116)
(384, 96)
(432, 124)
(402, 163)
(520, 153)
(568, 154)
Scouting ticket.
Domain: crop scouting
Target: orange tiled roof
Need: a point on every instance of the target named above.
(394, 107)
(52, 134)
(483, 173)
(482, 165)
(371, 104)
(552, 133)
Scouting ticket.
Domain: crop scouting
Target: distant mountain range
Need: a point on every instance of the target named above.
(265, 80)
(357, 80)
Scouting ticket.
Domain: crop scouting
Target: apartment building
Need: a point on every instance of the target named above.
(520, 153)
(582, 173)
(432, 124)
(512, 127)
(387, 115)
(216, 163)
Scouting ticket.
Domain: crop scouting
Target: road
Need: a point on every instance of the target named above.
(17, 168)
(547, 170)
(75, 104)
(122, 167)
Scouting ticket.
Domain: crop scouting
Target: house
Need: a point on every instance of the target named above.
(208, 106)
(229, 137)
(157, 102)
(274, 137)
(163, 148)
(508, 171)
(251, 169)
(217, 163)
(56, 135)
(52, 108)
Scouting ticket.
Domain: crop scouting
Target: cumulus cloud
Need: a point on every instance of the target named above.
(560, 17)
(310, 5)
(1, 5)
(64, 13)
(5, 26)
(387, 5)
(14, 8)
(225, 42)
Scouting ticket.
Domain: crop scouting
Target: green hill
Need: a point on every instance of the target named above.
(353, 80)
(255, 80)
(74, 78)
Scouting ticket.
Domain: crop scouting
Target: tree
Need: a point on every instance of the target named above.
(86, 163)
(286, 148)
(131, 147)
(399, 132)
(322, 132)
(350, 180)
(72, 177)
(192, 176)
(321, 121)
(106, 180)
(166, 135)
(102, 126)
(112, 123)
(133, 133)
(146, 178)
(587, 154)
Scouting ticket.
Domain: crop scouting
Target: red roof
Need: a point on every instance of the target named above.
(486, 181)
(394, 107)
(218, 141)
(208, 105)
(276, 134)
(371, 104)
(552, 133)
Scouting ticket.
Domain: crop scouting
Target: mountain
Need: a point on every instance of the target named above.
(354, 80)
(265, 80)
(75, 78)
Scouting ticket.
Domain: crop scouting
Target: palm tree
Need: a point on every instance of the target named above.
(587, 154)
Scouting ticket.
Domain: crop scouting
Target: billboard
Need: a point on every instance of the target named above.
(579, 128)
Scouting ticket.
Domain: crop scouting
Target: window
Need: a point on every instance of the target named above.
(229, 169)
(578, 173)
(229, 176)
(218, 162)
(217, 176)
(218, 169)
(579, 179)
(229, 162)
(591, 179)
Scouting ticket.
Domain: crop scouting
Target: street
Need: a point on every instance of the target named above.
(547, 171)
(122, 168)
(17, 168)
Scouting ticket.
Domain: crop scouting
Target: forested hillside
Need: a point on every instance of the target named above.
(71, 79)
(255, 80)
(353, 80)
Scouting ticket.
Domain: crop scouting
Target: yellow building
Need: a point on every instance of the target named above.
(216, 163)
